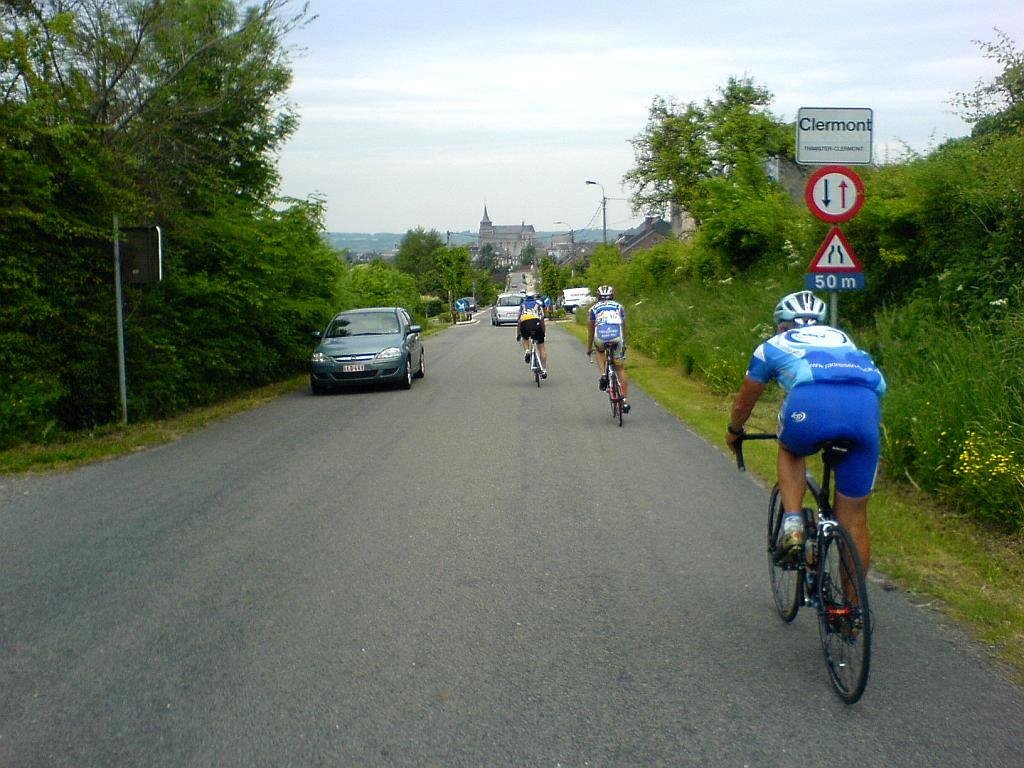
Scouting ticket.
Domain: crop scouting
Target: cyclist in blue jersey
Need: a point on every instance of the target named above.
(531, 325)
(833, 392)
(607, 334)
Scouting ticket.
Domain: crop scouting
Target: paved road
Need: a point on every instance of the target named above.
(476, 572)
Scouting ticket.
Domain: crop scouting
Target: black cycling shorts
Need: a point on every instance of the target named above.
(532, 329)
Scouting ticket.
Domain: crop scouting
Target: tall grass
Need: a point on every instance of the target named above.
(953, 419)
(708, 329)
(954, 415)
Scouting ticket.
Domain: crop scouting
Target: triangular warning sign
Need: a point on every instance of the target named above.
(835, 255)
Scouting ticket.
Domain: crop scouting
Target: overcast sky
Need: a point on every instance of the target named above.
(418, 113)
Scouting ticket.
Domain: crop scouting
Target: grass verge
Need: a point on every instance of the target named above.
(111, 441)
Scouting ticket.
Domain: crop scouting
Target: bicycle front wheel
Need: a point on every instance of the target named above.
(786, 577)
(844, 616)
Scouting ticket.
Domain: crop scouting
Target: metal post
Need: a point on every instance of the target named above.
(833, 308)
(604, 217)
(604, 211)
(121, 378)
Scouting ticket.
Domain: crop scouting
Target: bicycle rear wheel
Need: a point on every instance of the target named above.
(844, 616)
(615, 395)
(786, 578)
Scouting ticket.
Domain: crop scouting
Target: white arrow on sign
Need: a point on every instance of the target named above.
(835, 255)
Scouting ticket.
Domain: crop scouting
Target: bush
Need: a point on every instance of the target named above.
(27, 408)
(749, 226)
(954, 414)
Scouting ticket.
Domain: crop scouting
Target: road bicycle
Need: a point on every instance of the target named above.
(614, 388)
(535, 366)
(827, 576)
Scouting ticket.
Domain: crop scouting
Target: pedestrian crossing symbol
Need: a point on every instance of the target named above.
(835, 255)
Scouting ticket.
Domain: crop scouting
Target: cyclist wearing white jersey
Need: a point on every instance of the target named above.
(607, 334)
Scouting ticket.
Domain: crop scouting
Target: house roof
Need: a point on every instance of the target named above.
(652, 229)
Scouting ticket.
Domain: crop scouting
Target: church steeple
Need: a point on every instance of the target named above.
(485, 221)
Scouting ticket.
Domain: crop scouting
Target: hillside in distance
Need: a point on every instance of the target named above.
(384, 242)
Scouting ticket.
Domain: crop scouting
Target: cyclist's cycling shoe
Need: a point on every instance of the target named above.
(526, 358)
(602, 383)
(791, 542)
(543, 373)
(625, 406)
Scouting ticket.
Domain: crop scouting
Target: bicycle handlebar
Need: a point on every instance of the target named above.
(740, 465)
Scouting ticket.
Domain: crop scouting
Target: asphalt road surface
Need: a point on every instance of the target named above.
(475, 572)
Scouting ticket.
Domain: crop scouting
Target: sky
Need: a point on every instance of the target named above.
(418, 114)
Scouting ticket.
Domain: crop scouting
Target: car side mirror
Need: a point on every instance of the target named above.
(316, 334)
(414, 329)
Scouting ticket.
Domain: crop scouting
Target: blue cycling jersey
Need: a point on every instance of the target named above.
(531, 309)
(608, 318)
(814, 353)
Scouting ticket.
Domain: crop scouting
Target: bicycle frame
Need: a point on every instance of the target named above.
(614, 387)
(827, 576)
(535, 361)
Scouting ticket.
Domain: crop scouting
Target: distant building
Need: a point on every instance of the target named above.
(789, 175)
(507, 240)
(651, 232)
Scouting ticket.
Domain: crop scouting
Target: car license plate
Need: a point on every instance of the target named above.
(354, 368)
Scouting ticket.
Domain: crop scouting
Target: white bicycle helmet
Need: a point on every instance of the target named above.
(605, 292)
(802, 308)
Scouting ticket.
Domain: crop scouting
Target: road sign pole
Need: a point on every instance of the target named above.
(833, 308)
(121, 377)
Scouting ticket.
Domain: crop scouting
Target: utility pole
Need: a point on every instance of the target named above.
(604, 212)
(572, 240)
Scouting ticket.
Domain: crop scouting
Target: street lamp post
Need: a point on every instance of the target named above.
(604, 211)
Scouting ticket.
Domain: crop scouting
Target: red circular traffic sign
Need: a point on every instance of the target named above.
(834, 193)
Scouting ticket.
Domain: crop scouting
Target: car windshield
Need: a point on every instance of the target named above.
(363, 324)
(509, 301)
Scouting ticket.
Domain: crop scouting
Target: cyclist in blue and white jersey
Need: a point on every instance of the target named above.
(531, 325)
(607, 333)
(833, 392)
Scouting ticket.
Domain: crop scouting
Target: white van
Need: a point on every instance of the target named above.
(574, 298)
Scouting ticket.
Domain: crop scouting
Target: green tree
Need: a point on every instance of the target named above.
(672, 156)
(454, 271)
(683, 147)
(418, 255)
(743, 133)
(162, 112)
(381, 285)
(607, 267)
(996, 106)
(487, 260)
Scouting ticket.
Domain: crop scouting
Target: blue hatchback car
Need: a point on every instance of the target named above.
(377, 345)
